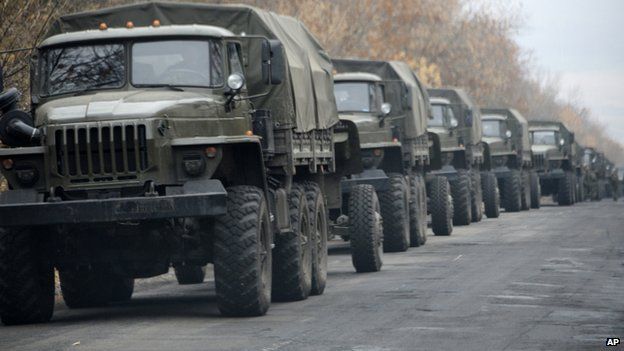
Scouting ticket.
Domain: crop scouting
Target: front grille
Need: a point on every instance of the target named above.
(538, 161)
(101, 153)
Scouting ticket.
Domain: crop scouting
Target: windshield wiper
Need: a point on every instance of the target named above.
(95, 86)
(172, 87)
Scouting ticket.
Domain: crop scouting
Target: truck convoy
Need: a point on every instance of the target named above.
(179, 135)
(457, 152)
(168, 134)
(506, 133)
(387, 106)
(554, 160)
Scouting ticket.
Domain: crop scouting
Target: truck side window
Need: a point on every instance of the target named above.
(234, 56)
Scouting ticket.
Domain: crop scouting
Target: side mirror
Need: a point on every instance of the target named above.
(454, 123)
(508, 134)
(468, 116)
(273, 62)
(386, 107)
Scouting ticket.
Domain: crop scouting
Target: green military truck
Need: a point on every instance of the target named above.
(595, 173)
(167, 134)
(506, 133)
(554, 160)
(387, 106)
(457, 151)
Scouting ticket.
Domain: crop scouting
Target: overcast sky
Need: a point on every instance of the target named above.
(581, 41)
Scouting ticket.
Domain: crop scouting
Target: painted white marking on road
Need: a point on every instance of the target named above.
(538, 284)
(457, 258)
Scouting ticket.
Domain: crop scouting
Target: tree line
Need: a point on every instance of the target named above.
(459, 43)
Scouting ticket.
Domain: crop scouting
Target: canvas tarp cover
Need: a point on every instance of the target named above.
(461, 101)
(305, 98)
(412, 104)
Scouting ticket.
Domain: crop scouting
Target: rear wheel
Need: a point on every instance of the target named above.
(526, 191)
(536, 191)
(418, 211)
(395, 212)
(242, 254)
(86, 286)
(460, 191)
(292, 260)
(565, 190)
(365, 229)
(26, 278)
(319, 223)
(491, 195)
(441, 204)
(188, 274)
(512, 188)
(476, 196)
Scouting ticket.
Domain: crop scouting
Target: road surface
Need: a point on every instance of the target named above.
(548, 279)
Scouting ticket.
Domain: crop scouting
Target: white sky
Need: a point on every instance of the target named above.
(582, 42)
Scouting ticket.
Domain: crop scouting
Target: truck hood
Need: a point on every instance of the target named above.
(123, 104)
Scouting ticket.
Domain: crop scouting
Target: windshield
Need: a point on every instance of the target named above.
(492, 128)
(177, 62)
(544, 138)
(354, 96)
(437, 111)
(73, 69)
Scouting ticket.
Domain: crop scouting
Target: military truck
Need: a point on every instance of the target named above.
(167, 134)
(457, 151)
(506, 133)
(554, 160)
(387, 106)
(595, 175)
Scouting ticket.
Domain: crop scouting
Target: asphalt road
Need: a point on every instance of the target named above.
(549, 279)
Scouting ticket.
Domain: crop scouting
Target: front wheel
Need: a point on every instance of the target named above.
(565, 190)
(441, 205)
(365, 229)
(476, 196)
(536, 191)
(512, 189)
(525, 200)
(460, 190)
(188, 274)
(242, 254)
(26, 279)
(491, 195)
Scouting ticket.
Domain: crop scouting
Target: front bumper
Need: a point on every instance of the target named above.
(554, 174)
(196, 199)
(375, 177)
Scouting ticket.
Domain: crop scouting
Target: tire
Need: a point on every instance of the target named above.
(565, 191)
(190, 274)
(460, 191)
(319, 222)
(536, 190)
(418, 211)
(122, 289)
(26, 278)
(441, 204)
(525, 199)
(491, 195)
(242, 254)
(512, 188)
(395, 213)
(476, 196)
(86, 286)
(365, 229)
(581, 189)
(292, 257)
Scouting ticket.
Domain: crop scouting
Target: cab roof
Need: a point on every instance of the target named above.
(136, 32)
